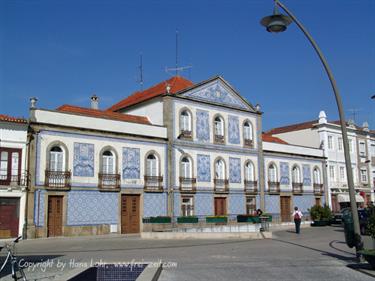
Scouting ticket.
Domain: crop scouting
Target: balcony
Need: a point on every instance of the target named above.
(57, 180)
(15, 181)
(187, 185)
(273, 187)
(297, 188)
(109, 182)
(251, 187)
(248, 143)
(219, 139)
(187, 135)
(318, 189)
(221, 186)
(153, 184)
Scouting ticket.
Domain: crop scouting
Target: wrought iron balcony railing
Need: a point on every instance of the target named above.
(273, 187)
(219, 139)
(20, 180)
(186, 134)
(221, 186)
(251, 187)
(297, 187)
(318, 188)
(153, 184)
(248, 143)
(109, 182)
(57, 180)
(188, 184)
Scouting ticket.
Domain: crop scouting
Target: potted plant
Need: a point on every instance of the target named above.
(159, 219)
(321, 216)
(369, 254)
(189, 219)
(217, 219)
(248, 218)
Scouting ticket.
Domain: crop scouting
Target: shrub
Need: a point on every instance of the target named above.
(318, 212)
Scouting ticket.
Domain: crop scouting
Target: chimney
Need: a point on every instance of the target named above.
(94, 102)
(365, 127)
(322, 117)
(33, 101)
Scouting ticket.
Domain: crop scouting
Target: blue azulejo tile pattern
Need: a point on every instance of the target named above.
(154, 204)
(284, 173)
(203, 126)
(92, 207)
(233, 129)
(272, 203)
(306, 175)
(203, 168)
(218, 93)
(203, 204)
(237, 204)
(234, 170)
(39, 207)
(130, 163)
(177, 204)
(83, 162)
(304, 202)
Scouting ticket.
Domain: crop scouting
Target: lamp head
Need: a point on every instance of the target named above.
(276, 22)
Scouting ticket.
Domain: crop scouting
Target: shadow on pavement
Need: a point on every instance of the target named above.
(25, 261)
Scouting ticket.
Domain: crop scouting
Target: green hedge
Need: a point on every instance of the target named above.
(248, 218)
(187, 219)
(217, 219)
(157, 220)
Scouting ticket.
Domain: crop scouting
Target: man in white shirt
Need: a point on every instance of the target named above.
(297, 216)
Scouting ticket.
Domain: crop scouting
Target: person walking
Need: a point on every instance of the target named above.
(297, 216)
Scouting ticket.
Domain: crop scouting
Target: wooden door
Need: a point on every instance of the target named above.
(317, 201)
(285, 209)
(130, 214)
(220, 206)
(9, 217)
(55, 215)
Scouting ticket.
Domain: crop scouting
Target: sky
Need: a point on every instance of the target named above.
(64, 51)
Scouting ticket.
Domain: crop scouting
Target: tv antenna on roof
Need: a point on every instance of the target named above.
(140, 67)
(175, 70)
(354, 112)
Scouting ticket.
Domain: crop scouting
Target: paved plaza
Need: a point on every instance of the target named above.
(315, 254)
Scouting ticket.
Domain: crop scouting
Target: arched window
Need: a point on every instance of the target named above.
(220, 169)
(152, 168)
(219, 126)
(108, 162)
(248, 133)
(272, 173)
(296, 175)
(185, 121)
(249, 171)
(316, 176)
(186, 170)
(56, 159)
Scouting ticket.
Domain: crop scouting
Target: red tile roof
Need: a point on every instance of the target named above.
(291, 128)
(269, 138)
(8, 118)
(177, 84)
(103, 114)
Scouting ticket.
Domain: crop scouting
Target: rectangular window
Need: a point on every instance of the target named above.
(340, 144)
(350, 145)
(332, 172)
(342, 173)
(3, 165)
(362, 149)
(251, 205)
(187, 206)
(330, 142)
(364, 175)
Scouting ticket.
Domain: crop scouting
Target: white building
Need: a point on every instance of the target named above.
(13, 175)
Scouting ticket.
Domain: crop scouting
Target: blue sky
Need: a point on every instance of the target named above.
(63, 51)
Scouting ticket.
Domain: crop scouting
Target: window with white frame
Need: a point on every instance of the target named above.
(186, 170)
(330, 142)
(362, 149)
(248, 132)
(296, 174)
(3, 165)
(185, 121)
(187, 206)
(219, 126)
(350, 142)
(251, 205)
(340, 144)
(249, 171)
(108, 162)
(220, 169)
(342, 173)
(272, 173)
(363, 172)
(317, 179)
(332, 172)
(56, 159)
(152, 167)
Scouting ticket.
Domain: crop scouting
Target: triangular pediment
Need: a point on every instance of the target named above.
(218, 91)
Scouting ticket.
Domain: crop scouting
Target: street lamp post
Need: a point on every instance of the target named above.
(279, 23)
